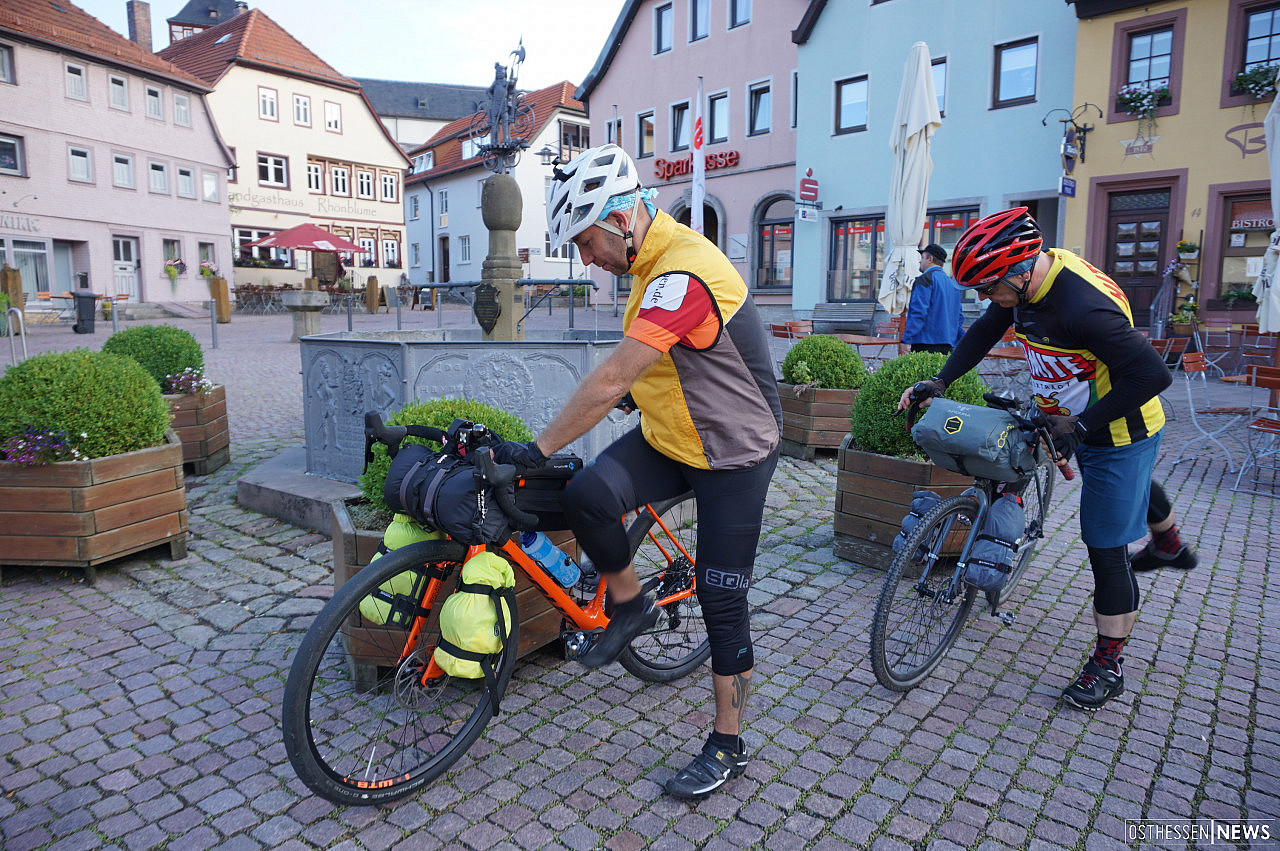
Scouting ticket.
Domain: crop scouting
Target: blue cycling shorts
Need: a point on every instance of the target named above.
(1116, 489)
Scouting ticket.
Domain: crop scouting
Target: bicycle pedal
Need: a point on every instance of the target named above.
(578, 641)
(1006, 618)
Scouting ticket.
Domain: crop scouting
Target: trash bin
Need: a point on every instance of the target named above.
(86, 305)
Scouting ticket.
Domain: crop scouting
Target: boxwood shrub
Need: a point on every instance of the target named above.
(438, 413)
(161, 349)
(825, 361)
(872, 421)
(106, 403)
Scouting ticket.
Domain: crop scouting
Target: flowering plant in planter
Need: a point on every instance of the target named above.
(39, 446)
(207, 269)
(175, 267)
(1186, 247)
(190, 381)
(1258, 82)
(1141, 100)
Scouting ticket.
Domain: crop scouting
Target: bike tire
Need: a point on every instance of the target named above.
(358, 732)
(678, 643)
(1036, 498)
(912, 601)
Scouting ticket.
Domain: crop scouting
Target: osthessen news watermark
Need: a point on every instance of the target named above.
(1207, 831)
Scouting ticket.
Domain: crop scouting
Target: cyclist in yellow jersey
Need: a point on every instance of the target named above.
(695, 360)
(1097, 380)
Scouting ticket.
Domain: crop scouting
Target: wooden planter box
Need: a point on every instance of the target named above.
(201, 423)
(84, 513)
(352, 550)
(816, 419)
(873, 494)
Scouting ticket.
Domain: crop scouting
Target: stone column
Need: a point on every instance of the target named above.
(500, 206)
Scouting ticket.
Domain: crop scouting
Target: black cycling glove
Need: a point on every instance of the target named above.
(1067, 433)
(934, 388)
(525, 456)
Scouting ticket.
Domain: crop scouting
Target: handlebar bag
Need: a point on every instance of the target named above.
(974, 440)
(445, 492)
(541, 492)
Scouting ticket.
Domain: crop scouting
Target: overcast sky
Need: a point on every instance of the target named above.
(433, 41)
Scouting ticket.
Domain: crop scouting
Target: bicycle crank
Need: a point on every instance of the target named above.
(1005, 618)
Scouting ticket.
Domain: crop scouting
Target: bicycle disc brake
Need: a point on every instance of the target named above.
(409, 689)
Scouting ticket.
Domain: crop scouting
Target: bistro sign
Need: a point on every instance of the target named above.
(667, 169)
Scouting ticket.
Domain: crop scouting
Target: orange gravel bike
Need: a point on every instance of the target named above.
(362, 732)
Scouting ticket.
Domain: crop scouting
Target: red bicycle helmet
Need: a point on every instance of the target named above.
(993, 245)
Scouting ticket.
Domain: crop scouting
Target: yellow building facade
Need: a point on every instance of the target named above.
(1192, 164)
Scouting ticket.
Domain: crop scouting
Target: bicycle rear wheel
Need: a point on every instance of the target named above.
(663, 554)
(922, 606)
(360, 725)
(1035, 504)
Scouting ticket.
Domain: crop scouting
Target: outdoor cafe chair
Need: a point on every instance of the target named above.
(1221, 345)
(1262, 433)
(1210, 421)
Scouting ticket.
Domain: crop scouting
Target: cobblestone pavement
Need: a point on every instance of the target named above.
(144, 712)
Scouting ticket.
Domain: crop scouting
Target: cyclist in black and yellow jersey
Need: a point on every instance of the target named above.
(1097, 380)
(696, 362)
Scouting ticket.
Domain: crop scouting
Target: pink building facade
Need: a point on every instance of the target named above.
(642, 95)
(110, 164)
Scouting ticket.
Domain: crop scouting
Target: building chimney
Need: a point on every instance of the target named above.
(139, 12)
(241, 7)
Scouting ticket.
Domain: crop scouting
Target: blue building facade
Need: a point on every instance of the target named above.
(1000, 68)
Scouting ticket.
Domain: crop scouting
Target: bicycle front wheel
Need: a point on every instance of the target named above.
(1035, 505)
(923, 605)
(662, 548)
(365, 719)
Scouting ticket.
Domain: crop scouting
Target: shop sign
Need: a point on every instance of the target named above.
(1141, 146)
(1251, 215)
(1067, 186)
(263, 199)
(667, 169)
(809, 187)
(22, 223)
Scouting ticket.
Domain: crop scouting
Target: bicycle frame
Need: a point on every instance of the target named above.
(589, 618)
(956, 585)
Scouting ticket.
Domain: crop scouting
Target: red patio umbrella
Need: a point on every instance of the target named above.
(305, 237)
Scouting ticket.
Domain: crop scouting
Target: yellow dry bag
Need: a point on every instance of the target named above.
(476, 619)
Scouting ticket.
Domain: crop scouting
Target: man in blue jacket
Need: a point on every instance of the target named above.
(934, 317)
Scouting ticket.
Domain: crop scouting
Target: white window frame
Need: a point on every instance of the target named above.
(190, 174)
(209, 186)
(20, 151)
(76, 78)
(669, 8)
(155, 98)
(268, 104)
(480, 194)
(302, 110)
(759, 86)
(415, 254)
(118, 85)
(181, 110)
(332, 117)
(364, 183)
(158, 168)
(85, 157)
(7, 71)
(695, 18)
(464, 249)
(368, 251)
(274, 163)
(734, 6)
(444, 201)
(390, 251)
(414, 205)
(390, 187)
(122, 161)
(340, 180)
(315, 178)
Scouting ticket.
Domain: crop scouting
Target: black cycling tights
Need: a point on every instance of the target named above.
(630, 473)
(1115, 587)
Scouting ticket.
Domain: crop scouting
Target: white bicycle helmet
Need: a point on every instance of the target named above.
(580, 192)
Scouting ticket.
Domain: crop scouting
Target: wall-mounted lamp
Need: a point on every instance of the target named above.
(1081, 129)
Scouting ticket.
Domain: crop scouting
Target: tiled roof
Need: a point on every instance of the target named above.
(447, 143)
(250, 38)
(400, 99)
(61, 23)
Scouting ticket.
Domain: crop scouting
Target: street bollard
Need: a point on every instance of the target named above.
(399, 326)
(213, 321)
(115, 317)
(349, 299)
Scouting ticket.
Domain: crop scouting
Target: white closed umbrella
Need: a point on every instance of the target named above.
(914, 124)
(1265, 289)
